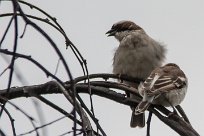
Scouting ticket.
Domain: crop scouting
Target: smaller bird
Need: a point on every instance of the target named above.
(166, 86)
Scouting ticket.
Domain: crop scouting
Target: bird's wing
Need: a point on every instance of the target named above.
(165, 83)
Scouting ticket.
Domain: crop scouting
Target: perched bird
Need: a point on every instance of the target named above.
(166, 86)
(136, 56)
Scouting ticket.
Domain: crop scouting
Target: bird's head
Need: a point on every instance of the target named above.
(173, 65)
(123, 28)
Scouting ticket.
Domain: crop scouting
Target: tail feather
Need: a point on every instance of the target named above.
(141, 107)
(137, 120)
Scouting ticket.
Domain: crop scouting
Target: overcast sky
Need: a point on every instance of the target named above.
(177, 24)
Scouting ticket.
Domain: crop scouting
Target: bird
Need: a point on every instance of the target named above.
(136, 56)
(166, 86)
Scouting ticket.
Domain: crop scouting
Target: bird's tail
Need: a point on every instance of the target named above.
(141, 107)
(137, 120)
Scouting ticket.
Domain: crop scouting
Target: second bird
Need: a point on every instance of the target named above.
(136, 56)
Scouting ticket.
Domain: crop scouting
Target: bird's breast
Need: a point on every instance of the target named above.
(172, 98)
(133, 62)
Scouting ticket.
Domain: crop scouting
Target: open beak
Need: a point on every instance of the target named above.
(111, 32)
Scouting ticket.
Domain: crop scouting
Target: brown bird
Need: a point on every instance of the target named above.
(166, 86)
(136, 56)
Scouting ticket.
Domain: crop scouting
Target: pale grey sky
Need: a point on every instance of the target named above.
(178, 24)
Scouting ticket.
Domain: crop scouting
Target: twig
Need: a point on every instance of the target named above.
(183, 114)
(6, 31)
(45, 125)
(177, 124)
(86, 125)
(31, 119)
(33, 17)
(58, 62)
(15, 9)
(33, 61)
(95, 120)
(2, 133)
(54, 106)
(149, 123)
(10, 118)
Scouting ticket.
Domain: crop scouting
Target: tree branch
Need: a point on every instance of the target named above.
(103, 89)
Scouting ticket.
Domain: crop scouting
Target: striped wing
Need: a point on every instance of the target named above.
(157, 84)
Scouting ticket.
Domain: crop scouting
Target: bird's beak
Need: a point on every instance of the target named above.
(111, 32)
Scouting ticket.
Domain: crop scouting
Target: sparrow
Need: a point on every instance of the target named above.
(166, 86)
(136, 56)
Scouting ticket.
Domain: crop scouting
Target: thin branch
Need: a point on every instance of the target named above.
(33, 61)
(183, 114)
(86, 125)
(46, 71)
(6, 31)
(4, 70)
(60, 29)
(21, 78)
(54, 106)
(68, 42)
(149, 123)
(24, 30)
(31, 119)
(57, 108)
(95, 120)
(76, 52)
(52, 43)
(33, 17)
(15, 9)
(2, 133)
(36, 27)
(177, 124)
(45, 125)
(10, 118)
(58, 62)
(80, 132)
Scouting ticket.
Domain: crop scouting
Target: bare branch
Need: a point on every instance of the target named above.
(95, 84)
(183, 114)
(175, 122)
(148, 123)
(10, 118)
(49, 103)
(2, 133)
(52, 122)
(31, 119)
(6, 31)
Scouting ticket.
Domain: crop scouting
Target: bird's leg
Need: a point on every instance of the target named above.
(174, 110)
(121, 81)
(173, 113)
(119, 78)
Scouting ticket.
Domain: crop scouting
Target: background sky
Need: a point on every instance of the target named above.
(177, 24)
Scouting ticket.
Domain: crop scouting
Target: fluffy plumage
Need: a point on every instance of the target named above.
(166, 86)
(137, 55)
